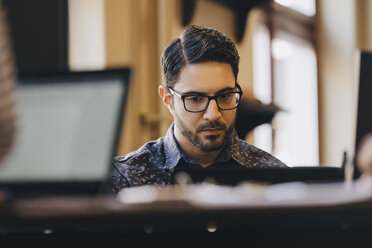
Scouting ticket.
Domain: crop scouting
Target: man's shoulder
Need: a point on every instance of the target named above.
(143, 166)
(253, 156)
(247, 147)
(146, 154)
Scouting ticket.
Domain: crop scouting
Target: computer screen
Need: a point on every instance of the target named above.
(68, 126)
(364, 116)
(364, 112)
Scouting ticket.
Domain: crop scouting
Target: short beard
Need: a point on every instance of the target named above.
(194, 139)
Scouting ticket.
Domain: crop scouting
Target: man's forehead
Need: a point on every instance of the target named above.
(206, 77)
(207, 90)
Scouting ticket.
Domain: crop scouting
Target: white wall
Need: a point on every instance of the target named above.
(86, 34)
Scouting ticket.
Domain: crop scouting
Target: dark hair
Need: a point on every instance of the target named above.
(197, 44)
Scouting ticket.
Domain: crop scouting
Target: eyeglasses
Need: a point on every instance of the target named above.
(196, 103)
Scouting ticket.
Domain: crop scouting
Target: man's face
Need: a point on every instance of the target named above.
(207, 130)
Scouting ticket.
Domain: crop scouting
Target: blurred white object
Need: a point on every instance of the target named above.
(349, 174)
(250, 195)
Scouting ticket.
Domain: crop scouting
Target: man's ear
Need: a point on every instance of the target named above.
(166, 97)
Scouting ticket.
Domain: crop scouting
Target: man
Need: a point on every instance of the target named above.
(200, 73)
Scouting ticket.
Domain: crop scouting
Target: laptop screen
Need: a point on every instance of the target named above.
(68, 126)
(364, 116)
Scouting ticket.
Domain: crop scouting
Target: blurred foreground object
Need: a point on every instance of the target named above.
(7, 89)
(364, 155)
(248, 194)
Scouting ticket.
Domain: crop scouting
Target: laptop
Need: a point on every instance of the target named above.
(69, 125)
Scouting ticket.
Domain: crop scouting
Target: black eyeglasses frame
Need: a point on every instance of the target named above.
(183, 96)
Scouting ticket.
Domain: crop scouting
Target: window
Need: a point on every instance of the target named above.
(306, 7)
(285, 75)
(262, 82)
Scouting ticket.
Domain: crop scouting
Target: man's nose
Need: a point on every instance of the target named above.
(212, 112)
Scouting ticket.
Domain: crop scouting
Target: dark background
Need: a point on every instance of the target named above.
(38, 30)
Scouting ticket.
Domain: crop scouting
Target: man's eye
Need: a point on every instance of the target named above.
(195, 98)
(225, 96)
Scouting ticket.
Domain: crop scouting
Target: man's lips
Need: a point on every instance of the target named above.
(212, 131)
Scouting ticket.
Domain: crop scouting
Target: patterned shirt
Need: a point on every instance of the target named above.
(156, 161)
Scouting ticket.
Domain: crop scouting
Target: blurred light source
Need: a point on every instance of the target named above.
(306, 7)
(286, 3)
(212, 227)
(281, 49)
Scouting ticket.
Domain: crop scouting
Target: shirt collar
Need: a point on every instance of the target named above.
(173, 152)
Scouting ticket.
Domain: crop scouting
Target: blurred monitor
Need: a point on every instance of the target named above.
(68, 131)
(364, 113)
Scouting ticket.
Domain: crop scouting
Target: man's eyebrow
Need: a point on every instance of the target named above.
(204, 94)
(225, 89)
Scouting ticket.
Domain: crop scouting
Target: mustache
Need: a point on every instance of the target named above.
(211, 124)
